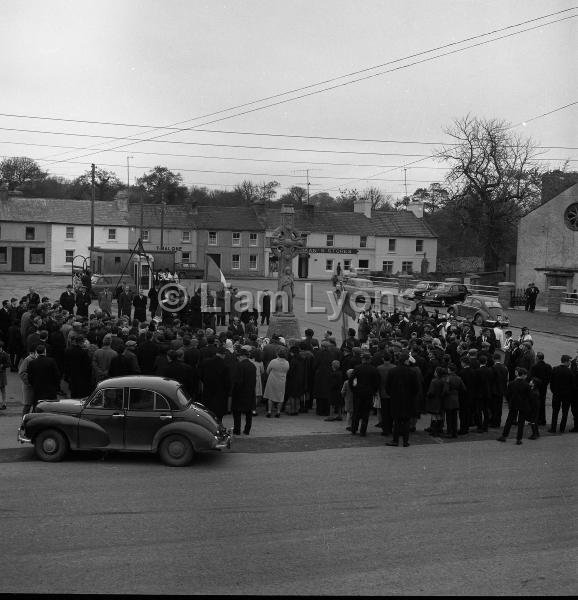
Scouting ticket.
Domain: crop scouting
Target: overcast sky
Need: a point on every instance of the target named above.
(161, 62)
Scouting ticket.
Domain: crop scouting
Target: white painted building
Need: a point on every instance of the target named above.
(394, 242)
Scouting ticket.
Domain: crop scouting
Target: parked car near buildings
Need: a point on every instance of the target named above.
(446, 294)
(129, 414)
(481, 310)
(417, 293)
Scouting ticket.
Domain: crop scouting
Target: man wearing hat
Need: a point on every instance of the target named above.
(125, 363)
(67, 299)
(83, 301)
(243, 400)
(403, 388)
(365, 382)
(178, 370)
(530, 295)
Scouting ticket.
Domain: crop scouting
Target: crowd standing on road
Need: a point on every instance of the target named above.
(399, 366)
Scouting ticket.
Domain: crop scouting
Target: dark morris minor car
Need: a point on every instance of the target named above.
(417, 293)
(481, 310)
(445, 294)
(132, 414)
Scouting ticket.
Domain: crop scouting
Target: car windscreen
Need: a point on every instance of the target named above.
(183, 399)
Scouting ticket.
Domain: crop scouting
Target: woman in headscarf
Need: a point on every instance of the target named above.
(276, 379)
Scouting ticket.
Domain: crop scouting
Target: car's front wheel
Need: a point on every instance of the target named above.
(478, 320)
(176, 451)
(451, 311)
(50, 445)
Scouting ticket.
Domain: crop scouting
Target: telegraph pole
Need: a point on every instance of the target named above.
(92, 194)
(162, 218)
(405, 179)
(141, 214)
(308, 184)
(128, 177)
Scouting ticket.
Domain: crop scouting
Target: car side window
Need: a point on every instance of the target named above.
(141, 399)
(113, 398)
(161, 403)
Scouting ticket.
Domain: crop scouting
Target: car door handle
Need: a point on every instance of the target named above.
(118, 416)
(166, 417)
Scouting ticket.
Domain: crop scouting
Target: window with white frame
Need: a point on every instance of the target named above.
(236, 238)
(387, 266)
(252, 239)
(329, 264)
(252, 262)
(145, 235)
(347, 264)
(419, 245)
(112, 234)
(3, 255)
(330, 239)
(363, 241)
(186, 235)
(391, 246)
(407, 267)
(186, 257)
(212, 238)
(69, 233)
(68, 256)
(236, 262)
(364, 263)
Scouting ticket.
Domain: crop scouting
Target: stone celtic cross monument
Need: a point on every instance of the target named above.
(286, 244)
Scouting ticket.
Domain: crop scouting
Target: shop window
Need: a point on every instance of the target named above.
(37, 256)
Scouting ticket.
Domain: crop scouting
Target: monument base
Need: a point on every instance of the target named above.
(285, 325)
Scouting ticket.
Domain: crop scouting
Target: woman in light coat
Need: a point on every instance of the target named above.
(276, 379)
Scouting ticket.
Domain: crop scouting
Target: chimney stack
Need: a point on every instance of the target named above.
(416, 208)
(363, 205)
(121, 200)
(3, 192)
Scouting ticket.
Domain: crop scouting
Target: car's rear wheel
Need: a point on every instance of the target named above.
(50, 445)
(176, 451)
(451, 311)
(478, 319)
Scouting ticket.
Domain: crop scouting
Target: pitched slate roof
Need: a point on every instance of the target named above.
(229, 218)
(54, 210)
(385, 224)
(176, 216)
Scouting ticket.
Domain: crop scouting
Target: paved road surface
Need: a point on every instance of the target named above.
(478, 518)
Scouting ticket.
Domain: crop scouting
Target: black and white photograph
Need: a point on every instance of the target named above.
(289, 297)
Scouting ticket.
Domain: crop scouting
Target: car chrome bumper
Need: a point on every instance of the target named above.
(224, 441)
(22, 438)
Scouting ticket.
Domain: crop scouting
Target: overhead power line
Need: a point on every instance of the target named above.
(136, 141)
(237, 146)
(274, 135)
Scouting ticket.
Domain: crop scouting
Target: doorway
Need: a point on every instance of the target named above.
(17, 260)
(303, 266)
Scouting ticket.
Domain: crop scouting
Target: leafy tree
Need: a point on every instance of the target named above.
(323, 200)
(295, 196)
(19, 170)
(493, 180)
(106, 183)
(161, 183)
(379, 200)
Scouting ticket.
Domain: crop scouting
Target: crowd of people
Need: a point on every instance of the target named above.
(396, 365)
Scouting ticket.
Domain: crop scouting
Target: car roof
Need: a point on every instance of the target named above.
(160, 384)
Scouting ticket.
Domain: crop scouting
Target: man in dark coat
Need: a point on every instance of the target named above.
(519, 401)
(562, 387)
(500, 389)
(153, 296)
(530, 294)
(266, 307)
(43, 376)
(147, 353)
(243, 399)
(178, 370)
(125, 363)
(83, 301)
(364, 382)
(542, 371)
(468, 400)
(216, 383)
(140, 307)
(403, 388)
(78, 369)
(68, 300)
(322, 379)
(125, 301)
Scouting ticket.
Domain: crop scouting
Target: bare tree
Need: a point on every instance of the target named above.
(494, 178)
